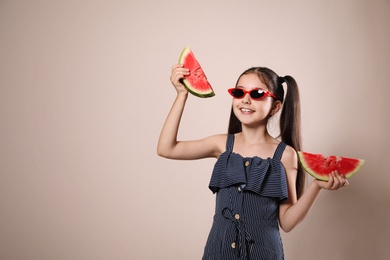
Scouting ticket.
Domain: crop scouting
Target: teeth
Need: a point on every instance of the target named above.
(246, 110)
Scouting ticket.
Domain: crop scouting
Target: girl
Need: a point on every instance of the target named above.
(257, 179)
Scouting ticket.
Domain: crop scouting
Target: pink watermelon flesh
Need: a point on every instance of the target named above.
(196, 83)
(320, 166)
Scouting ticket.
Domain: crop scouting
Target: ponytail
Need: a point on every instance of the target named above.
(290, 117)
(290, 125)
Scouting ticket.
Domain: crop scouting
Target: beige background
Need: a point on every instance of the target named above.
(85, 90)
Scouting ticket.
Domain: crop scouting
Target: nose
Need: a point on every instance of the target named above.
(246, 99)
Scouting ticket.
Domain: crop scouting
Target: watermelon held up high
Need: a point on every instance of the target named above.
(320, 166)
(196, 83)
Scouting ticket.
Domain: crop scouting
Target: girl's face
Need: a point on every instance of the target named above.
(253, 112)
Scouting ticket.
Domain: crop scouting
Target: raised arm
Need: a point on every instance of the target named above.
(293, 211)
(168, 145)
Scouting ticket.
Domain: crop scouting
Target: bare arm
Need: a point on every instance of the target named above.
(168, 145)
(293, 211)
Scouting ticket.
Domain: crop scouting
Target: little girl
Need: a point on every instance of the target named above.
(257, 179)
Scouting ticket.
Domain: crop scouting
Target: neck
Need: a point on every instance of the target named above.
(255, 135)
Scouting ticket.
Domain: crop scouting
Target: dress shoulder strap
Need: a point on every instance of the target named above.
(279, 151)
(230, 142)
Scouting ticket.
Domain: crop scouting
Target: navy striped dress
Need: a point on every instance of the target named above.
(248, 193)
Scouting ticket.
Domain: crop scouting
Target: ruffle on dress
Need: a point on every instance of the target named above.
(265, 177)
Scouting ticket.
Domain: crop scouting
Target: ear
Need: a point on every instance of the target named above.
(276, 107)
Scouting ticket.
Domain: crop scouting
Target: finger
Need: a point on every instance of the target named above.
(177, 66)
(343, 180)
(340, 179)
(178, 74)
(336, 178)
(336, 182)
(330, 182)
(346, 183)
(184, 71)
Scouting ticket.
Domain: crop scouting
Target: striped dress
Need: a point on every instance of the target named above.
(248, 193)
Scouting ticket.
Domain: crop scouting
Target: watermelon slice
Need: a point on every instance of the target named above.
(320, 166)
(196, 83)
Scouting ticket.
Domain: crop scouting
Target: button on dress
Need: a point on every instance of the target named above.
(248, 192)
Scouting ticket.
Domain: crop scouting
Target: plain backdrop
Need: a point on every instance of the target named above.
(84, 91)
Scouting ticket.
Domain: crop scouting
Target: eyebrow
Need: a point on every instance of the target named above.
(251, 88)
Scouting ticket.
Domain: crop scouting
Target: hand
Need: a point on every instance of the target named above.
(335, 182)
(178, 73)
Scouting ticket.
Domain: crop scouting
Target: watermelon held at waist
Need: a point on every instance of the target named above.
(320, 166)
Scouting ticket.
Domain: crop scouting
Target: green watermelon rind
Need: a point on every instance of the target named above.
(193, 92)
(185, 82)
(324, 177)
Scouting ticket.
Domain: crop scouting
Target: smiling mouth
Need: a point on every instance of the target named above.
(246, 110)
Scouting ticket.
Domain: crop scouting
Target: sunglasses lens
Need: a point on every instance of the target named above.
(237, 93)
(257, 94)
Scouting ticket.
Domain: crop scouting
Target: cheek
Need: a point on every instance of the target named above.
(235, 102)
(263, 105)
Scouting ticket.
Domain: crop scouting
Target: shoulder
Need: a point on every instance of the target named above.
(217, 141)
(290, 158)
(218, 138)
